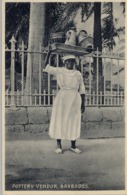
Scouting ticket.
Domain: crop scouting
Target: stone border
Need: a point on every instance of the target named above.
(96, 122)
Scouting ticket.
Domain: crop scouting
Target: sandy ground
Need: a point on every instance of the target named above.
(33, 165)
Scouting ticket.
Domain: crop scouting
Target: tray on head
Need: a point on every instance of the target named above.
(68, 49)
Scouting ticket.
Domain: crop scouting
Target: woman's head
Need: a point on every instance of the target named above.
(69, 61)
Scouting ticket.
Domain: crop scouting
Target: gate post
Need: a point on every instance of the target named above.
(12, 41)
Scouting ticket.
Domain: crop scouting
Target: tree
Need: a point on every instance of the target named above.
(108, 30)
(69, 13)
(17, 21)
(17, 25)
(97, 38)
(42, 18)
(108, 26)
(60, 14)
(18, 15)
(36, 36)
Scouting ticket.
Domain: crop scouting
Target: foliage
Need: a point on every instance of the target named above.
(53, 13)
(108, 27)
(108, 30)
(17, 21)
(69, 13)
(60, 18)
(86, 11)
(123, 4)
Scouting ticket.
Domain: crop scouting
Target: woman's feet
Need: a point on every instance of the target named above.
(76, 150)
(73, 147)
(59, 147)
(58, 151)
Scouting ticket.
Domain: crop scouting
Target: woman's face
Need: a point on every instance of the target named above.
(70, 63)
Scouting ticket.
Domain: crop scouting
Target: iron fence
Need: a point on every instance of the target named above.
(105, 89)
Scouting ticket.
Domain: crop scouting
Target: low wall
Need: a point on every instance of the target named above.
(33, 122)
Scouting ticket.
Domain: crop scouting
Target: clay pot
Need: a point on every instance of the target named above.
(58, 37)
(87, 43)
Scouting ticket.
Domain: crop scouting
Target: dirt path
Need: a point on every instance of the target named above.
(33, 165)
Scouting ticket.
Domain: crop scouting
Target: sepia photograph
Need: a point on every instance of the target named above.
(63, 97)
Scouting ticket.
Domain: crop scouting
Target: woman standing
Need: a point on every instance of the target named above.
(68, 104)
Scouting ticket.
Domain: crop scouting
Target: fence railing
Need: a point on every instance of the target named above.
(105, 89)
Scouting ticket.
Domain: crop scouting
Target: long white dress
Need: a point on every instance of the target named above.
(65, 120)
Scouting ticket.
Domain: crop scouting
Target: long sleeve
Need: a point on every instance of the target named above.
(50, 69)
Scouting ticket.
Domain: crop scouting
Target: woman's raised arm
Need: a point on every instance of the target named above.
(47, 57)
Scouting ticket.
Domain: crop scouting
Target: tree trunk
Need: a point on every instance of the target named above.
(112, 26)
(97, 26)
(97, 44)
(36, 37)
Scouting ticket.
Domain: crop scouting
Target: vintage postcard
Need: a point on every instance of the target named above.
(63, 97)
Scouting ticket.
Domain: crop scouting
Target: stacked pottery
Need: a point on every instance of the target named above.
(85, 41)
(70, 37)
(58, 37)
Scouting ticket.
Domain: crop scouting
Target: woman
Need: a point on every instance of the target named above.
(68, 104)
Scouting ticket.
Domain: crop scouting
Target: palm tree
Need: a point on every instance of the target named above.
(97, 33)
(97, 38)
(61, 17)
(17, 21)
(108, 30)
(42, 18)
(108, 26)
(37, 21)
(69, 13)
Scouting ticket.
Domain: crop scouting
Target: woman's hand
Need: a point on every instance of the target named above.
(47, 56)
(49, 48)
(83, 103)
(82, 108)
